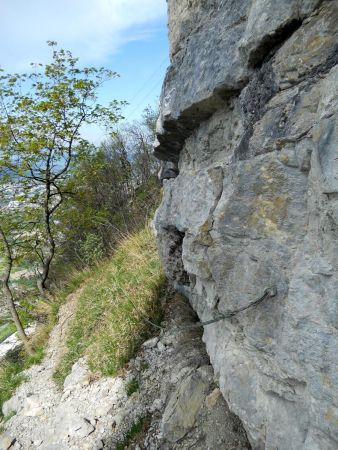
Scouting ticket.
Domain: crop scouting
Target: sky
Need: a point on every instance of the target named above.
(127, 36)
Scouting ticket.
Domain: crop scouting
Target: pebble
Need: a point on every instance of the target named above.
(151, 343)
(161, 346)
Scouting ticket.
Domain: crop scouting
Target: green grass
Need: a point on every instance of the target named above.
(10, 379)
(12, 366)
(109, 324)
(144, 365)
(112, 311)
(71, 284)
(138, 427)
(132, 386)
(9, 416)
(6, 331)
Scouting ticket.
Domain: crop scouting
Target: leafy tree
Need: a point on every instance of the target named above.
(41, 119)
(138, 139)
(115, 189)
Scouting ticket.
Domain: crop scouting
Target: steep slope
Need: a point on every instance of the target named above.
(248, 136)
(164, 397)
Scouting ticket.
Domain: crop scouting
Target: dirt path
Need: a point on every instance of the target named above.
(57, 339)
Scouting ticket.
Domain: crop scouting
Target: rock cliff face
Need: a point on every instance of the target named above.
(248, 133)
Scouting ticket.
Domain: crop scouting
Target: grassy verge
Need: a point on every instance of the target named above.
(6, 330)
(10, 379)
(109, 324)
(12, 366)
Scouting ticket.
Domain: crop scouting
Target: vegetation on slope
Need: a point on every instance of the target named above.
(97, 195)
(64, 202)
(119, 298)
(115, 307)
(15, 362)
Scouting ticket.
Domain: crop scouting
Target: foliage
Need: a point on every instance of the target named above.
(6, 330)
(66, 204)
(115, 190)
(91, 248)
(12, 366)
(41, 116)
(114, 307)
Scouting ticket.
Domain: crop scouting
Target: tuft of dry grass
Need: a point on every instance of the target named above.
(115, 306)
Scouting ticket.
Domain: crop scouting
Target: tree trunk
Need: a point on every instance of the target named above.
(42, 280)
(9, 295)
(48, 212)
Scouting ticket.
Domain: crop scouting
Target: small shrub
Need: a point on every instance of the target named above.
(139, 426)
(144, 365)
(132, 386)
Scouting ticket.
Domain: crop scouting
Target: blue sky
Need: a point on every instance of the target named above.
(128, 36)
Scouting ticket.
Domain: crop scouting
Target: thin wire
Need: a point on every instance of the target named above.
(268, 293)
(148, 79)
(145, 97)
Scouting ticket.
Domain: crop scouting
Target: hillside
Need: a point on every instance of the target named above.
(160, 389)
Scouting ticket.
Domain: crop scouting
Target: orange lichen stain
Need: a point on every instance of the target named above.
(330, 416)
(268, 213)
(318, 41)
(248, 167)
(284, 159)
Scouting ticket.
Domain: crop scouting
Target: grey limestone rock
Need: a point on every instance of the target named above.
(6, 441)
(168, 170)
(197, 412)
(250, 112)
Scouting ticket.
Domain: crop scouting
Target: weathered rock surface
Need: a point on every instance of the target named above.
(13, 342)
(249, 110)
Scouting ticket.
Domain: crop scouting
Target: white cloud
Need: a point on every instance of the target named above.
(91, 29)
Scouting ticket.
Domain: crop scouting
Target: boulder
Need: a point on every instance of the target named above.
(185, 402)
(32, 406)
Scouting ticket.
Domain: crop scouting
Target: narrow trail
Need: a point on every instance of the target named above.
(176, 398)
(57, 339)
